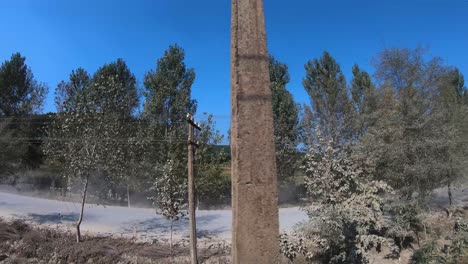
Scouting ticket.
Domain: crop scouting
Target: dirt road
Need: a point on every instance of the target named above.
(124, 221)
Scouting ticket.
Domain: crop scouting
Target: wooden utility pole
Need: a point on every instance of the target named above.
(191, 188)
(254, 184)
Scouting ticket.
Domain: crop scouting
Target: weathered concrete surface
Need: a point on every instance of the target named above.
(254, 182)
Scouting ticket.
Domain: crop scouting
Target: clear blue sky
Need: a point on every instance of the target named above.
(57, 36)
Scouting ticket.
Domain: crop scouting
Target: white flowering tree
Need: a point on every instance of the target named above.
(170, 199)
(348, 220)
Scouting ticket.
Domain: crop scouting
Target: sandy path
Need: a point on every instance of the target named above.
(121, 220)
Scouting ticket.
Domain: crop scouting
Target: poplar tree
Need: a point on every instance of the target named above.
(286, 121)
(168, 100)
(123, 100)
(90, 136)
(364, 99)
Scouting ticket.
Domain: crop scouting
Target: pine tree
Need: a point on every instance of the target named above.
(21, 99)
(326, 85)
(20, 93)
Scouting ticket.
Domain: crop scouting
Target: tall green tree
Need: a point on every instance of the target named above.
(326, 85)
(78, 143)
(20, 93)
(451, 116)
(364, 99)
(21, 98)
(405, 141)
(123, 100)
(90, 136)
(71, 96)
(168, 100)
(286, 120)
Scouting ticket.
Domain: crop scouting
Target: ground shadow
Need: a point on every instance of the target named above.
(201, 233)
(54, 218)
(161, 225)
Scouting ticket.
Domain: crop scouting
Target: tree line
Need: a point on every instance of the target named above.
(376, 148)
(401, 129)
(410, 115)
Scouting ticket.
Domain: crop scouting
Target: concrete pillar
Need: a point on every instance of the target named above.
(254, 182)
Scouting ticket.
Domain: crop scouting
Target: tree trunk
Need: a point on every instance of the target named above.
(128, 195)
(418, 239)
(85, 189)
(425, 232)
(170, 241)
(449, 190)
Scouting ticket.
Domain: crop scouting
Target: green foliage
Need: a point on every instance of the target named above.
(349, 220)
(168, 88)
(86, 136)
(170, 199)
(71, 96)
(364, 98)
(291, 246)
(168, 100)
(20, 93)
(213, 188)
(123, 100)
(412, 139)
(405, 223)
(20, 143)
(286, 121)
(451, 115)
(21, 99)
(326, 85)
(76, 143)
(425, 255)
(454, 251)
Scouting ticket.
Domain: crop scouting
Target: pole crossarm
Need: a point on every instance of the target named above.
(190, 120)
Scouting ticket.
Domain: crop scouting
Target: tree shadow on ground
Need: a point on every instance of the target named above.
(439, 198)
(201, 233)
(161, 225)
(54, 218)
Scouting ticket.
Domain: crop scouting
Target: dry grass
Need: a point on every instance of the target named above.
(21, 243)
